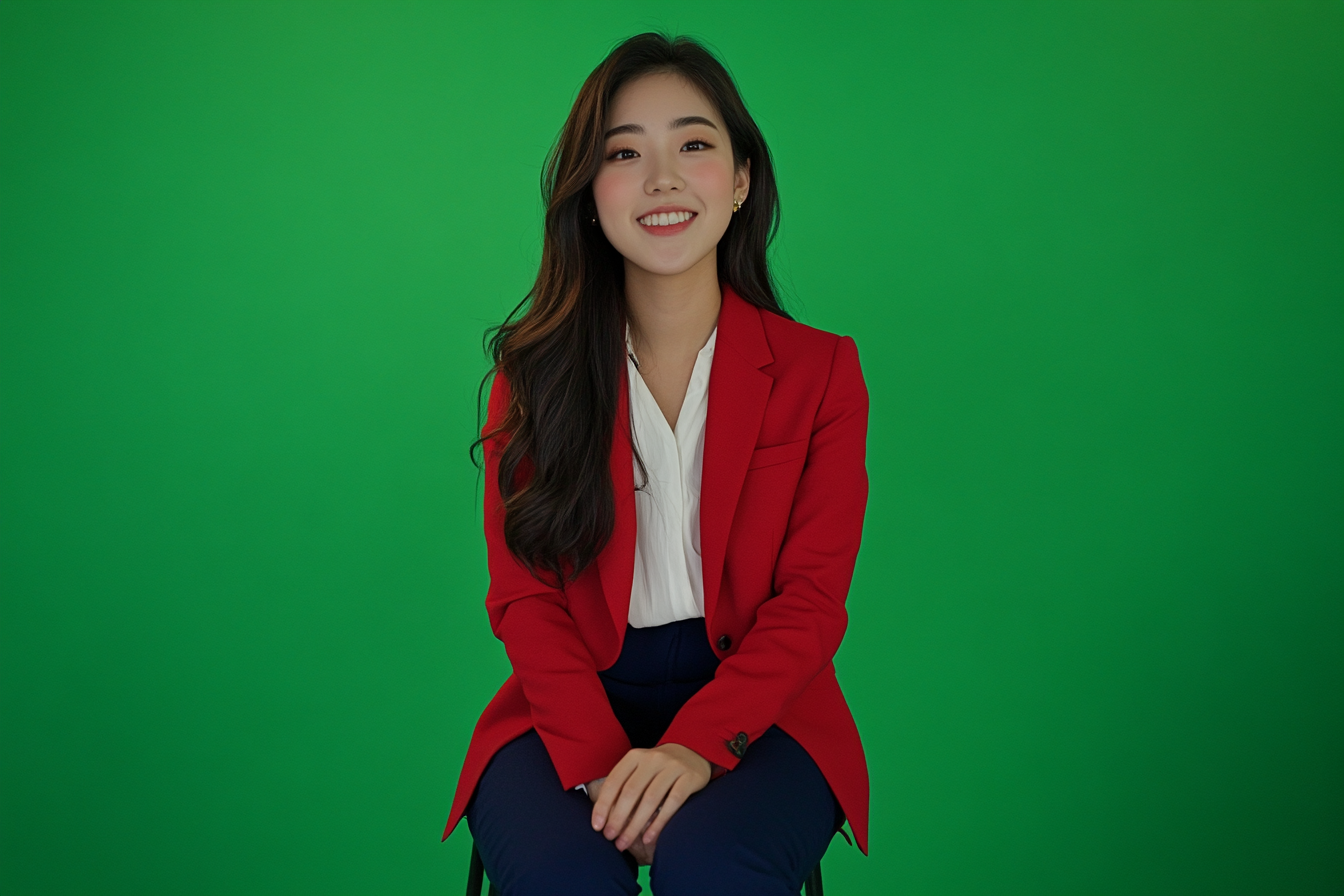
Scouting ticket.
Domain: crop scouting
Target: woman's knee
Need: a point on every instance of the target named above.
(534, 837)
(693, 858)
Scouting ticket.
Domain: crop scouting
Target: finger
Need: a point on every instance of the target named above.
(622, 813)
(651, 818)
(648, 805)
(650, 845)
(677, 795)
(611, 789)
(631, 793)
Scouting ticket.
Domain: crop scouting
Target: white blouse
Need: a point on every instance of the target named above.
(668, 583)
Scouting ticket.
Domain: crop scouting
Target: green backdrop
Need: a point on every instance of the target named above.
(1093, 258)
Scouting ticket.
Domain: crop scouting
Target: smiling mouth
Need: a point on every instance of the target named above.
(665, 219)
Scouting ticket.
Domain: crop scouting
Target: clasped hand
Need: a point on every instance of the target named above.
(634, 801)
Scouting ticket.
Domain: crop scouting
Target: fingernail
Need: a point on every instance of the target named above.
(598, 822)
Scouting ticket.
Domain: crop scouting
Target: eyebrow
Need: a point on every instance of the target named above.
(684, 121)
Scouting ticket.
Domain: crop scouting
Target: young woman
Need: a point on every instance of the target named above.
(675, 490)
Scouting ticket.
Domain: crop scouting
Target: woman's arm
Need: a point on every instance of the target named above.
(570, 709)
(799, 629)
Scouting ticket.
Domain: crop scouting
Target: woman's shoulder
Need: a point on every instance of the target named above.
(795, 344)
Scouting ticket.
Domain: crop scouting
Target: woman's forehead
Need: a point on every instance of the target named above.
(657, 100)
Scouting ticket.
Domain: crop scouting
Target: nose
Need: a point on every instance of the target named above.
(663, 175)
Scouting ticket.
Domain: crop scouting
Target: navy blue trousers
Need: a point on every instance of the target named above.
(760, 829)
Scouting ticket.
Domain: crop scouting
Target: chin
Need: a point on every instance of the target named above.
(668, 266)
(666, 270)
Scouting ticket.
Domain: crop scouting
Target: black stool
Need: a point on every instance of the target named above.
(476, 874)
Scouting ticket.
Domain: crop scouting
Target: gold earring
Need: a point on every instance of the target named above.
(737, 204)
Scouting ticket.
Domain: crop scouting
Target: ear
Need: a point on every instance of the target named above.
(742, 180)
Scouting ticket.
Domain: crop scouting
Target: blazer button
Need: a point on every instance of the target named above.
(725, 642)
(738, 745)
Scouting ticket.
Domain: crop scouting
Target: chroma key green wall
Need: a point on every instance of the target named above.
(1092, 254)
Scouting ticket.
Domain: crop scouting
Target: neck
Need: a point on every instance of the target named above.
(673, 315)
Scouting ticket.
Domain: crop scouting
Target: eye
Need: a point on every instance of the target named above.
(626, 153)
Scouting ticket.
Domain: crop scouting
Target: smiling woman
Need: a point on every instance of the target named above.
(675, 492)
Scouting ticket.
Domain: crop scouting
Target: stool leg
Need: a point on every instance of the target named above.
(475, 872)
(812, 886)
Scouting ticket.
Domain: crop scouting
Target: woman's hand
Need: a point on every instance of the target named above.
(643, 852)
(644, 790)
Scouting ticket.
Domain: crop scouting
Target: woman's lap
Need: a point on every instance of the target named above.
(759, 829)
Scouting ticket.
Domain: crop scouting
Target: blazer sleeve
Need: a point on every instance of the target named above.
(570, 709)
(799, 627)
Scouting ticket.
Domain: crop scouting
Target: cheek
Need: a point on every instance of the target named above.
(613, 191)
(712, 181)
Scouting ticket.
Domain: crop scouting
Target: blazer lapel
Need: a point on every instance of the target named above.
(738, 392)
(616, 562)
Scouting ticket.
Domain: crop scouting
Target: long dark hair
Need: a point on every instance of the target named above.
(563, 357)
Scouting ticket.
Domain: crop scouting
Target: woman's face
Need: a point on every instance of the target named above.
(667, 158)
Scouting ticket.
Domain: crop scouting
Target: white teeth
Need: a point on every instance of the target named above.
(663, 219)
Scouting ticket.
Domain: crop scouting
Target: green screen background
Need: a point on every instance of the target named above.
(1093, 258)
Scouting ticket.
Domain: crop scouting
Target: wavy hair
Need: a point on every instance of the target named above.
(564, 356)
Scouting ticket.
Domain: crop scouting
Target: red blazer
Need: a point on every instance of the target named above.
(781, 514)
